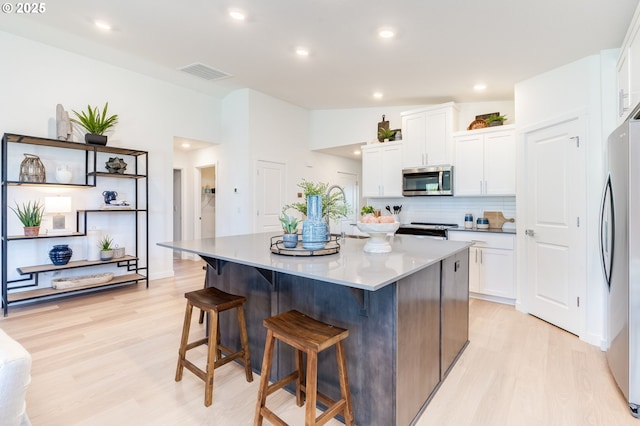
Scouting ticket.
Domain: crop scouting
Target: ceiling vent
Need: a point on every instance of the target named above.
(204, 71)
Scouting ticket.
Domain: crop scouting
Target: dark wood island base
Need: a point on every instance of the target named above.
(403, 338)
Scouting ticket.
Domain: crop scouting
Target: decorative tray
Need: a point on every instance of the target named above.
(70, 282)
(331, 247)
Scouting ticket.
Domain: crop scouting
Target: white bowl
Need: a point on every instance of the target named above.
(378, 228)
(378, 232)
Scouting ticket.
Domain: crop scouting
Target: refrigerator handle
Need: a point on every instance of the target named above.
(607, 233)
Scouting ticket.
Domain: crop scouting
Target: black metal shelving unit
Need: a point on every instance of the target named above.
(136, 265)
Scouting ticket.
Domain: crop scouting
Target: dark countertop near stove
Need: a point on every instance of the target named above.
(493, 230)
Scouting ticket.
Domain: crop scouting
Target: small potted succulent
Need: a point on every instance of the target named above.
(30, 215)
(106, 248)
(290, 228)
(96, 123)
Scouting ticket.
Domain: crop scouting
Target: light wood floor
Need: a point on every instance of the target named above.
(109, 359)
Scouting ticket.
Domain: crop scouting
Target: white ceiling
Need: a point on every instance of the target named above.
(441, 50)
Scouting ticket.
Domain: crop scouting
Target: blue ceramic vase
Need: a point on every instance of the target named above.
(314, 229)
(60, 254)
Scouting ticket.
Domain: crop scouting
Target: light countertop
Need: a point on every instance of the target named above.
(350, 267)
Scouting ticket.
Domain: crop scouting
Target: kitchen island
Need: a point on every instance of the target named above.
(406, 312)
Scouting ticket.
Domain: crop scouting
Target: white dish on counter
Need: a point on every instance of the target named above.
(378, 232)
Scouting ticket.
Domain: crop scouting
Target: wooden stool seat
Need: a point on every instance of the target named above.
(310, 336)
(213, 301)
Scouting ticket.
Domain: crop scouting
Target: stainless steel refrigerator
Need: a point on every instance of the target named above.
(620, 253)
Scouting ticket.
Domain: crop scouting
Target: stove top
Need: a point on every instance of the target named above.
(428, 225)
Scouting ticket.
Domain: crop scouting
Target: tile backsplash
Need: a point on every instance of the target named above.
(441, 209)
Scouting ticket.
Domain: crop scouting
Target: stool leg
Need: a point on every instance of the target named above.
(211, 357)
(201, 319)
(264, 377)
(344, 384)
(218, 340)
(246, 353)
(311, 388)
(183, 342)
(300, 380)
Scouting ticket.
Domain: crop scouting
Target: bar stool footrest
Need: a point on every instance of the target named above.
(272, 417)
(282, 382)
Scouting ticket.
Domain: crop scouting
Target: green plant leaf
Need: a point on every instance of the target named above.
(94, 121)
(30, 214)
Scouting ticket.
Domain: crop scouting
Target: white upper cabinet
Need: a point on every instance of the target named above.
(628, 68)
(382, 170)
(426, 135)
(485, 162)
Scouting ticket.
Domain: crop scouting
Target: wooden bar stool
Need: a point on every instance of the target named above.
(213, 301)
(310, 336)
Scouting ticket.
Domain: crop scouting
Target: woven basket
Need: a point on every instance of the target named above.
(32, 169)
(477, 124)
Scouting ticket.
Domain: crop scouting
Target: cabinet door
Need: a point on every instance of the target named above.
(500, 164)
(391, 171)
(454, 309)
(371, 165)
(437, 138)
(414, 134)
(474, 269)
(633, 59)
(467, 172)
(624, 84)
(496, 272)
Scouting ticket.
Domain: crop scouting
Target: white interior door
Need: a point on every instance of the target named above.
(269, 195)
(555, 241)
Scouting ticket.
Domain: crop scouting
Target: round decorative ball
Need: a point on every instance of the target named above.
(60, 254)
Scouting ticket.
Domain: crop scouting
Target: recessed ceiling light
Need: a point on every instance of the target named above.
(386, 33)
(357, 152)
(103, 25)
(237, 15)
(377, 95)
(302, 51)
(479, 87)
(185, 145)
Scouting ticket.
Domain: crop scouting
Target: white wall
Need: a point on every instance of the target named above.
(36, 77)
(575, 88)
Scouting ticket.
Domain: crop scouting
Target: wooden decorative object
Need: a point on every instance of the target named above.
(477, 124)
(71, 282)
(384, 124)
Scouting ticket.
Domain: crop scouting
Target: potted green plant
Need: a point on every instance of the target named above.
(333, 204)
(290, 229)
(106, 248)
(30, 215)
(96, 123)
(385, 135)
(495, 120)
(365, 210)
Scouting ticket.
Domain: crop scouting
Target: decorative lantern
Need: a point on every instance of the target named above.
(32, 169)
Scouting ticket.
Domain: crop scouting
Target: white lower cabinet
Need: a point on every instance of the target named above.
(382, 170)
(491, 264)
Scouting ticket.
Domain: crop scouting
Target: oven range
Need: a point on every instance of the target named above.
(431, 230)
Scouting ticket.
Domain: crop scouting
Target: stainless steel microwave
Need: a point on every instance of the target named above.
(433, 180)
